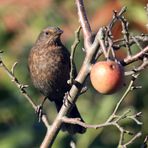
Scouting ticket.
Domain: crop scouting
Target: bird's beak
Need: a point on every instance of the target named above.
(59, 32)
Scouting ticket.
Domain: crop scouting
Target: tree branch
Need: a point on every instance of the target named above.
(117, 44)
(136, 57)
(73, 48)
(84, 23)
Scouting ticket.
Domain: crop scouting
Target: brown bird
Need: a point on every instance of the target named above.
(49, 66)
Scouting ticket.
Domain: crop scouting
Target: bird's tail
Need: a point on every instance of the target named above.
(71, 128)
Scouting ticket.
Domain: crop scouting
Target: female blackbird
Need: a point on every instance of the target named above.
(49, 66)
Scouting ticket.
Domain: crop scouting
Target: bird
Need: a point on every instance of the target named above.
(49, 68)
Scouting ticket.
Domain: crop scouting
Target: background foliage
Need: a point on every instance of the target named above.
(21, 22)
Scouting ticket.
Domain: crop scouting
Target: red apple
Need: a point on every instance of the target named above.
(107, 76)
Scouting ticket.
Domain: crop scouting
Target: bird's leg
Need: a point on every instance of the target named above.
(39, 109)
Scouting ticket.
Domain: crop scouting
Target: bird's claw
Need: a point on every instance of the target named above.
(39, 112)
(66, 101)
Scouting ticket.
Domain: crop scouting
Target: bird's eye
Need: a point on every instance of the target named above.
(47, 33)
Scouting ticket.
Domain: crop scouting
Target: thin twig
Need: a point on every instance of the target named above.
(84, 23)
(145, 143)
(140, 68)
(135, 57)
(22, 88)
(17, 83)
(137, 43)
(122, 98)
(126, 34)
(116, 16)
(132, 140)
(73, 48)
(117, 44)
(101, 35)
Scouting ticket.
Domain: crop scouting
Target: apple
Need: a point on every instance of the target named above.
(107, 76)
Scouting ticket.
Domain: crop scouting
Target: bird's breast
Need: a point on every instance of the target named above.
(49, 70)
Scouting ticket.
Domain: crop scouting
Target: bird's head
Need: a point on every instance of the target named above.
(50, 35)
